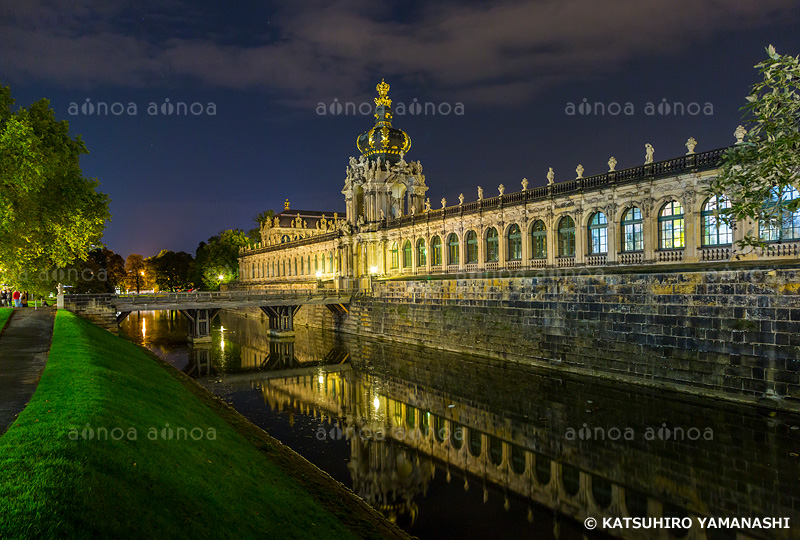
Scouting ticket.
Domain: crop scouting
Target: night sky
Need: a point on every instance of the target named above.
(268, 70)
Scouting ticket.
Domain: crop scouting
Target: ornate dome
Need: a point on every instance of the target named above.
(383, 140)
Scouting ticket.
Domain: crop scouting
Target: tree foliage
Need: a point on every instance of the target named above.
(217, 261)
(171, 270)
(759, 174)
(137, 276)
(50, 215)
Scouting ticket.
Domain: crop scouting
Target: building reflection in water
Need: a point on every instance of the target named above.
(566, 446)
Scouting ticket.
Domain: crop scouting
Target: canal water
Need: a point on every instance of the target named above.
(454, 446)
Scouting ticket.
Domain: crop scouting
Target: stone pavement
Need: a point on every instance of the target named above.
(24, 344)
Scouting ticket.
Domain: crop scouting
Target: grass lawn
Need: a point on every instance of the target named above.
(5, 313)
(62, 474)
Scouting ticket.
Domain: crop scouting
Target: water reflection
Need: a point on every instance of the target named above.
(456, 447)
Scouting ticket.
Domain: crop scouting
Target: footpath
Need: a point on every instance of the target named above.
(24, 344)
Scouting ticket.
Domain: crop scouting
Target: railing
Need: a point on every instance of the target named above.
(671, 255)
(492, 265)
(217, 296)
(314, 239)
(715, 253)
(596, 260)
(781, 250)
(630, 258)
(539, 263)
(514, 265)
(563, 262)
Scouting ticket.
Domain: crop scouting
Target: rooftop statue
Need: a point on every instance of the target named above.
(550, 176)
(579, 171)
(690, 144)
(612, 164)
(524, 184)
(648, 153)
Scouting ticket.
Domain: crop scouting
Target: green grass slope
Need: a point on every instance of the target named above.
(63, 474)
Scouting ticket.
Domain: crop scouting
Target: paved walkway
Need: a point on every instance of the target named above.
(24, 345)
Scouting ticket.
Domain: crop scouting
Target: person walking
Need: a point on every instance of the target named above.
(24, 299)
(16, 297)
(3, 297)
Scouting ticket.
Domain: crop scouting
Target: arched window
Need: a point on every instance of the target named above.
(422, 253)
(452, 249)
(598, 234)
(472, 247)
(632, 230)
(316, 263)
(295, 267)
(308, 264)
(514, 243)
(715, 231)
(285, 238)
(330, 262)
(394, 261)
(492, 254)
(786, 224)
(302, 266)
(670, 226)
(436, 251)
(566, 237)
(539, 240)
(407, 254)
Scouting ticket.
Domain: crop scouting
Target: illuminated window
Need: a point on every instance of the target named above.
(566, 237)
(715, 231)
(598, 234)
(514, 243)
(539, 240)
(492, 251)
(670, 226)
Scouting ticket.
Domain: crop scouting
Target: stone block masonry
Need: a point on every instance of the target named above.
(726, 333)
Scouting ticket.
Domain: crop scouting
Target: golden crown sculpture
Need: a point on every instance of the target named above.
(383, 91)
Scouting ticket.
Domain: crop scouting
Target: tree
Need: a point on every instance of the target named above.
(50, 215)
(171, 270)
(761, 175)
(217, 261)
(135, 273)
(254, 234)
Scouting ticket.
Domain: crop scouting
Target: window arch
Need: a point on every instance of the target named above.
(308, 264)
(316, 263)
(670, 226)
(422, 252)
(407, 254)
(598, 234)
(539, 240)
(322, 262)
(436, 251)
(786, 226)
(632, 230)
(330, 261)
(514, 243)
(492, 245)
(472, 247)
(566, 237)
(394, 256)
(452, 249)
(715, 231)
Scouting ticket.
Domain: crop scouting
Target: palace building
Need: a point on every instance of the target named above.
(658, 213)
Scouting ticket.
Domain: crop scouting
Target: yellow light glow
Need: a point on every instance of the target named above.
(376, 403)
(373, 270)
(144, 328)
(221, 277)
(319, 274)
(321, 379)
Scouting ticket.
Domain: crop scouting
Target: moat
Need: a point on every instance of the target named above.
(454, 446)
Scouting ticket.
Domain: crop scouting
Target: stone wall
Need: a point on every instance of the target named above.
(731, 333)
(94, 308)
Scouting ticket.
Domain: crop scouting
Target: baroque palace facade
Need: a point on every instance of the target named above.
(655, 214)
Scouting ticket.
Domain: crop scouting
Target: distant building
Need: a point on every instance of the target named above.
(657, 213)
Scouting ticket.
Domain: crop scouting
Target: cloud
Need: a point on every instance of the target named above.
(504, 52)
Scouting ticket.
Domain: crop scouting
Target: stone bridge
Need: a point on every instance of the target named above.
(200, 308)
